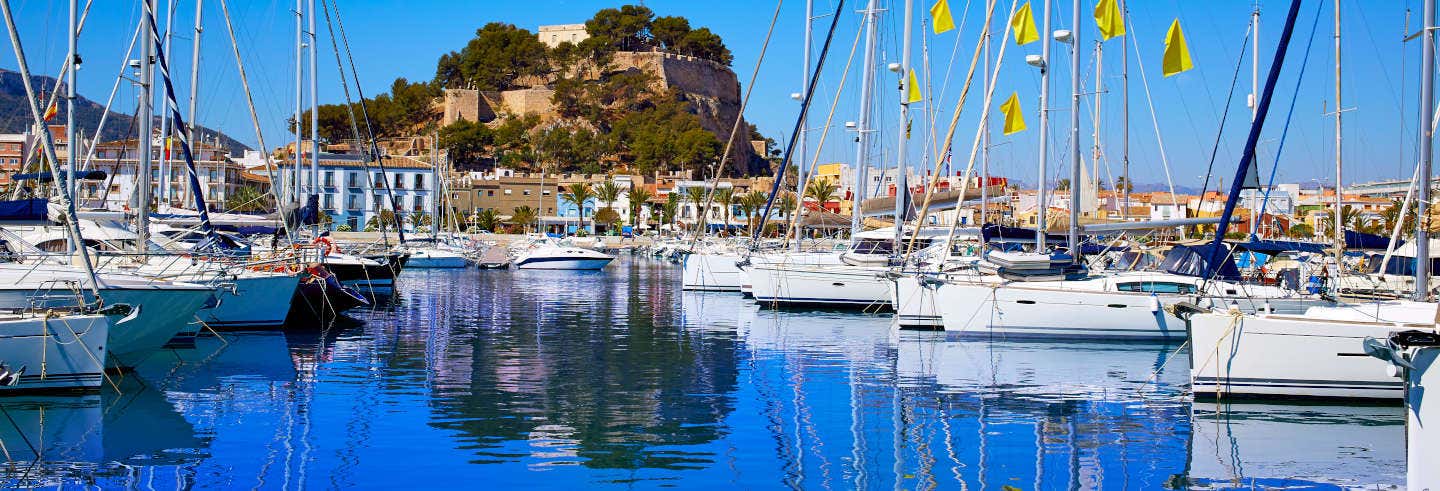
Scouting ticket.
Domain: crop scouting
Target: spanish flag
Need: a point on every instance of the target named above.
(51, 111)
(1023, 23)
(912, 89)
(1109, 19)
(1177, 56)
(1014, 119)
(940, 13)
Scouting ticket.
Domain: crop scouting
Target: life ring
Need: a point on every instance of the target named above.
(326, 246)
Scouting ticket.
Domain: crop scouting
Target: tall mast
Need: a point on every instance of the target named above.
(72, 145)
(862, 130)
(1422, 203)
(803, 177)
(902, 190)
(299, 156)
(984, 133)
(1073, 238)
(1098, 89)
(1125, 118)
(147, 97)
(1254, 95)
(1339, 184)
(165, 122)
(195, 137)
(314, 189)
(1042, 197)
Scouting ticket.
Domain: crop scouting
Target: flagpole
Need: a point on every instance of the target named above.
(902, 190)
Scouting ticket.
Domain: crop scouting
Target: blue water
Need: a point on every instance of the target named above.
(564, 380)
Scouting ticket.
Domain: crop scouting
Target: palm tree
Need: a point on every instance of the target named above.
(696, 195)
(487, 219)
(637, 198)
(726, 197)
(672, 207)
(607, 193)
(523, 216)
(750, 204)
(822, 191)
(579, 193)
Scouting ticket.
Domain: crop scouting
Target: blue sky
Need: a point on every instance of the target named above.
(404, 38)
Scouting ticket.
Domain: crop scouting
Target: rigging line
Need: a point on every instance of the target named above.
(1224, 116)
(1285, 130)
(350, 112)
(105, 115)
(719, 167)
(1154, 120)
(254, 116)
(369, 127)
(824, 133)
(799, 121)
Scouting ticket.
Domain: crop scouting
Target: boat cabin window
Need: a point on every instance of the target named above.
(872, 246)
(1155, 287)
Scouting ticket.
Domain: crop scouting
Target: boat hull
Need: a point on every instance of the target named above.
(563, 263)
(913, 298)
(255, 302)
(712, 272)
(163, 313)
(58, 354)
(832, 286)
(436, 260)
(1288, 356)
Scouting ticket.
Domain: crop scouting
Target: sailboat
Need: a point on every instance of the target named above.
(1318, 353)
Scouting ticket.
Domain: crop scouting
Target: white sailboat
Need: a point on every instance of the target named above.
(46, 352)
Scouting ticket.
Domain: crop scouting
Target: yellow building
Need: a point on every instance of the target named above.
(835, 174)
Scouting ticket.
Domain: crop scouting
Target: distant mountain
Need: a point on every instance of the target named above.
(15, 114)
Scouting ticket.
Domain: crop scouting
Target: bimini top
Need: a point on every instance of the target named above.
(925, 233)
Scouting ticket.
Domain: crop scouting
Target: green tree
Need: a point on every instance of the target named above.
(249, 199)
(701, 43)
(637, 198)
(607, 216)
(385, 218)
(671, 208)
(467, 143)
(578, 193)
(1301, 231)
(524, 216)
(725, 197)
(608, 193)
(1121, 184)
(1062, 185)
(750, 204)
(669, 31)
(487, 219)
(696, 195)
(786, 203)
(622, 29)
(821, 190)
(499, 54)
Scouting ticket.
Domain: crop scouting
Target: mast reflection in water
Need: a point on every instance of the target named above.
(560, 380)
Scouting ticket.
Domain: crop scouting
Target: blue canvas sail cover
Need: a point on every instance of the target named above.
(1195, 261)
(94, 175)
(1273, 247)
(24, 210)
(1362, 240)
(1000, 233)
(222, 244)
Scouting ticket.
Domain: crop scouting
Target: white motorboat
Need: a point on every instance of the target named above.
(435, 258)
(53, 352)
(1317, 354)
(549, 254)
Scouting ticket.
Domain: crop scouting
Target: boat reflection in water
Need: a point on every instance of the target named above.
(617, 378)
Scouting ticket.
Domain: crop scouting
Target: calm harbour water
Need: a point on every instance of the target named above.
(564, 380)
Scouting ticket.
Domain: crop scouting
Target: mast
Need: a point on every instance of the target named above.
(147, 97)
(1254, 93)
(1339, 184)
(862, 130)
(1095, 117)
(313, 195)
(439, 190)
(1042, 197)
(299, 156)
(803, 176)
(902, 190)
(984, 136)
(165, 122)
(72, 145)
(1073, 238)
(195, 74)
(1427, 120)
(1125, 118)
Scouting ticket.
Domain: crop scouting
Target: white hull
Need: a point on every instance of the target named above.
(847, 286)
(554, 257)
(1085, 309)
(436, 259)
(163, 314)
(914, 303)
(1423, 439)
(573, 264)
(712, 272)
(60, 353)
(1289, 356)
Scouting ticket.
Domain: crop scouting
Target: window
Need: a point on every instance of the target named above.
(352, 179)
(419, 181)
(526, 192)
(379, 180)
(329, 179)
(352, 202)
(1156, 287)
(872, 246)
(490, 192)
(399, 181)
(329, 201)
(545, 192)
(507, 192)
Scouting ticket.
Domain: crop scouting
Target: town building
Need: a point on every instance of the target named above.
(553, 35)
(219, 176)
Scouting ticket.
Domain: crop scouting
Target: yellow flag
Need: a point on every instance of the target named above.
(912, 89)
(1014, 119)
(1109, 19)
(1023, 23)
(940, 12)
(1177, 56)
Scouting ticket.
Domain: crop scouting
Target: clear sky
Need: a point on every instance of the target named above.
(393, 38)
